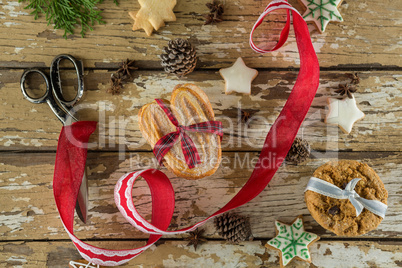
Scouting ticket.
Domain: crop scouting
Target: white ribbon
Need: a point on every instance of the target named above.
(330, 190)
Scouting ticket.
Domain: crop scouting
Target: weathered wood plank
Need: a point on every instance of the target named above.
(28, 210)
(328, 254)
(364, 41)
(26, 126)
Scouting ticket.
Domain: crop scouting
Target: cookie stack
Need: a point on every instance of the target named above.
(189, 105)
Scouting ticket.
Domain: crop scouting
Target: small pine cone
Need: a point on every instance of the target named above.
(233, 227)
(299, 151)
(179, 57)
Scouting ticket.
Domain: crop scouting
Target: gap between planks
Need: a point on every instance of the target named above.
(356, 68)
(210, 239)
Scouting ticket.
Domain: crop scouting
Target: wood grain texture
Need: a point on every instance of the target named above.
(363, 41)
(169, 254)
(26, 126)
(368, 42)
(28, 209)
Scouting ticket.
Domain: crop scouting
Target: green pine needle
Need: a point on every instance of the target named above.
(68, 14)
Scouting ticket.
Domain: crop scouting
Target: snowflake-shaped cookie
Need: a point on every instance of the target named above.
(321, 12)
(292, 241)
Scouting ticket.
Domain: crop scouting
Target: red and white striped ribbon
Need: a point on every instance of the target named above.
(277, 143)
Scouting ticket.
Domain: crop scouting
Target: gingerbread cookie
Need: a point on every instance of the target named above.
(351, 215)
(292, 241)
(321, 12)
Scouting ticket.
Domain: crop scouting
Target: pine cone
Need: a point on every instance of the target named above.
(179, 57)
(299, 151)
(233, 227)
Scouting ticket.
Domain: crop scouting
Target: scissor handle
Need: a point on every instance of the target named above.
(56, 81)
(41, 99)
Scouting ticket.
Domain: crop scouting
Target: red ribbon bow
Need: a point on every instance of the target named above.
(187, 145)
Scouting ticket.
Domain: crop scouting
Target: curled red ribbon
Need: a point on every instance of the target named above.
(277, 143)
(190, 152)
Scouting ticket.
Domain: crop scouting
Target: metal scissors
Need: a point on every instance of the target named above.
(62, 109)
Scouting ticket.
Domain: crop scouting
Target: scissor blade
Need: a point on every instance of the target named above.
(81, 206)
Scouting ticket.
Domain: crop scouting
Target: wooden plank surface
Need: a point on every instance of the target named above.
(28, 208)
(368, 37)
(367, 42)
(328, 254)
(378, 97)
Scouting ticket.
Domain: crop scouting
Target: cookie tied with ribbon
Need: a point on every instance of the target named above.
(190, 152)
(330, 190)
(190, 119)
(346, 197)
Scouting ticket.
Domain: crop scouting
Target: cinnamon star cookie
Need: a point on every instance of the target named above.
(343, 113)
(238, 77)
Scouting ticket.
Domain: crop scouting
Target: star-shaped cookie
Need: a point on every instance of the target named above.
(238, 77)
(343, 113)
(321, 12)
(83, 263)
(153, 14)
(292, 241)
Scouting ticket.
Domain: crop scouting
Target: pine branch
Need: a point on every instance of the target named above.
(68, 14)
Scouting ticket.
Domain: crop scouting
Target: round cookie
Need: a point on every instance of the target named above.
(339, 215)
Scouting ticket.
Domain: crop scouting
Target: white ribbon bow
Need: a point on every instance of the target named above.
(328, 189)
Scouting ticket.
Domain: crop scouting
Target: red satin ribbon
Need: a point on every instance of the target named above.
(190, 152)
(68, 173)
